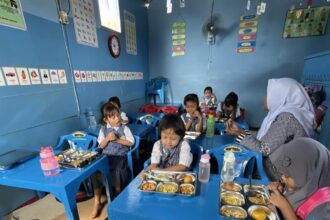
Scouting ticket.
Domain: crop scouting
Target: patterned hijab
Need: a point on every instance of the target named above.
(307, 162)
(287, 95)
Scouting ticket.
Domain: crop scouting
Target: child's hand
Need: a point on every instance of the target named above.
(277, 199)
(275, 186)
(142, 175)
(198, 114)
(111, 136)
(232, 128)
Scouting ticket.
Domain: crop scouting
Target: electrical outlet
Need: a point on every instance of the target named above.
(64, 17)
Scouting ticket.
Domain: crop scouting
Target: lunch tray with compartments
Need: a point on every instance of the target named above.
(240, 201)
(169, 183)
(76, 158)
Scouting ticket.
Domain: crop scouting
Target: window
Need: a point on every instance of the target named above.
(110, 14)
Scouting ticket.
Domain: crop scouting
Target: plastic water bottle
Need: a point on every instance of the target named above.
(48, 162)
(92, 124)
(228, 170)
(204, 169)
(210, 126)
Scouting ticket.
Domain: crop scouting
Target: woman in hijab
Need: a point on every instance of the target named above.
(290, 115)
(304, 167)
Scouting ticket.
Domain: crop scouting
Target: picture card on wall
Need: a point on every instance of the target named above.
(89, 76)
(2, 79)
(23, 76)
(34, 75)
(62, 76)
(54, 76)
(99, 76)
(94, 76)
(83, 76)
(45, 77)
(10, 75)
(77, 76)
(103, 75)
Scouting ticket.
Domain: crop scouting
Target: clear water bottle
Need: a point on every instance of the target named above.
(91, 120)
(204, 169)
(210, 126)
(48, 162)
(228, 170)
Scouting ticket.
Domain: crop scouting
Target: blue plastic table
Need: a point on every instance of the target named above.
(63, 186)
(138, 115)
(210, 143)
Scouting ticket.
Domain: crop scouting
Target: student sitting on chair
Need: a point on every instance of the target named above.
(192, 117)
(229, 108)
(115, 139)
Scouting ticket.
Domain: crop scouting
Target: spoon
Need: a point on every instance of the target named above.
(250, 192)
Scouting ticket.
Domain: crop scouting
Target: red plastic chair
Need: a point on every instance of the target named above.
(169, 110)
(150, 108)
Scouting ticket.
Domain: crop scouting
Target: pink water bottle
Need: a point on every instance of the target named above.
(48, 162)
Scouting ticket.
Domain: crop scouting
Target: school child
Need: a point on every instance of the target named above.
(116, 101)
(171, 152)
(229, 108)
(304, 167)
(209, 100)
(115, 139)
(192, 117)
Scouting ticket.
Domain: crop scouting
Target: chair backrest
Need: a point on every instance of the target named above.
(157, 83)
(197, 152)
(78, 140)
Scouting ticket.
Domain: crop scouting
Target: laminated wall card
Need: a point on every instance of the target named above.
(2, 79)
(84, 22)
(54, 76)
(23, 76)
(10, 76)
(45, 77)
(77, 76)
(11, 14)
(34, 76)
(83, 76)
(247, 34)
(62, 76)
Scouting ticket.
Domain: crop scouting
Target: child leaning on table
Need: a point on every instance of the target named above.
(192, 118)
(115, 139)
(171, 152)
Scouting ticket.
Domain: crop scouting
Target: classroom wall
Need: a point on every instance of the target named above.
(219, 65)
(36, 115)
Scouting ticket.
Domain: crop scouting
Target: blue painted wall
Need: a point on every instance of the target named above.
(226, 71)
(36, 115)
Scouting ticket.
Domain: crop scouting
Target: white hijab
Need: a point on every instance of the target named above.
(287, 95)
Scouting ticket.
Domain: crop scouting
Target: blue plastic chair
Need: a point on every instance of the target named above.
(155, 87)
(134, 150)
(251, 159)
(78, 140)
(81, 141)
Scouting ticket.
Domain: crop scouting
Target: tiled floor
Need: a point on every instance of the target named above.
(53, 210)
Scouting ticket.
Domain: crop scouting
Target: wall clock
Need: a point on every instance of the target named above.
(114, 45)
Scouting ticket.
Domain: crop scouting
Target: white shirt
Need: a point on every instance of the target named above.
(127, 134)
(185, 155)
(238, 110)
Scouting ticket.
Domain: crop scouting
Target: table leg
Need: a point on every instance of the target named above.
(107, 182)
(68, 198)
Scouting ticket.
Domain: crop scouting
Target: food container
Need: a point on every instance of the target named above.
(259, 212)
(232, 198)
(231, 186)
(169, 183)
(187, 189)
(235, 197)
(167, 187)
(233, 212)
(76, 158)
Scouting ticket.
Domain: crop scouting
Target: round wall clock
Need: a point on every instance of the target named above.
(114, 45)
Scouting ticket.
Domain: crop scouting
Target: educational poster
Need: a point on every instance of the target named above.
(2, 80)
(62, 76)
(247, 34)
(10, 76)
(23, 76)
(306, 22)
(34, 76)
(130, 33)
(83, 76)
(45, 77)
(54, 77)
(178, 38)
(77, 76)
(84, 22)
(11, 14)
